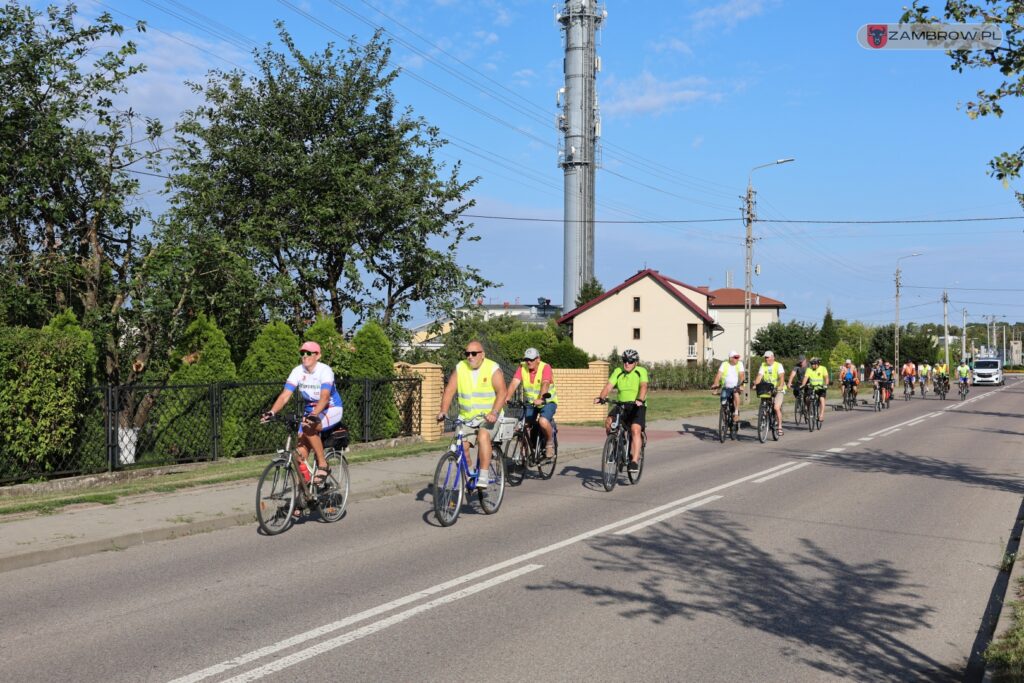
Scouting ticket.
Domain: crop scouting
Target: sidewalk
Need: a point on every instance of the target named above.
(79, 530)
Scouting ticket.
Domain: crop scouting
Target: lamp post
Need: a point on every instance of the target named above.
(896, 352)
(748, 219)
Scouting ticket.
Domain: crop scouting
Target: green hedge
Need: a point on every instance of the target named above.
(43, 379)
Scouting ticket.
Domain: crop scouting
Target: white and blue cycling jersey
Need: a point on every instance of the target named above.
(310, 384)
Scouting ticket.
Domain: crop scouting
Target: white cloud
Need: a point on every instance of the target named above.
(697, 142)
(727, 14)
(502, 17)
(524, 77)
(672, 45)
(486, 37)
(648, 95)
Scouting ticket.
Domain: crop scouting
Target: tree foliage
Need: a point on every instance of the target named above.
(272, 355)
(916, 346)
(828, 335)
(67, 199)
(787, 340)
(589, 291)
(1007, 59)
(332, 194)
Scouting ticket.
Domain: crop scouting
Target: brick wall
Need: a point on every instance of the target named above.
(576, 392)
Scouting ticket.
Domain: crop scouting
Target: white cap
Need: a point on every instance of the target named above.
(531, 353)
(769, 354)
(848, 361)
(734, 354)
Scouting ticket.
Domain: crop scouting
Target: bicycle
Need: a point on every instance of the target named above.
(876, 398)
(279, 491)
(727, 422)
(906, 389)
(849, 402)
(964, 390)
(527, 448)
(940, 387)
(615, 456)
(766, 420)
(454, 480)
(813, 407)
(922, 386)
(799, 407)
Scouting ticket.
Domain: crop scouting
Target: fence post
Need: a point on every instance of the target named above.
(367, 396)
(110, 421)
(215, 394)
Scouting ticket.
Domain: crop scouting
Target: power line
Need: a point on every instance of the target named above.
(893, 222)
(561, 220)
(965, 289)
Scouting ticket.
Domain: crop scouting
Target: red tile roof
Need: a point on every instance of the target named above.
(666, 282)
(732, 297)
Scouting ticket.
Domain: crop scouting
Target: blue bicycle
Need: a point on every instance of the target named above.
(454, 478)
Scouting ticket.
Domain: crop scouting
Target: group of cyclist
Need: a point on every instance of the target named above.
(479, 385)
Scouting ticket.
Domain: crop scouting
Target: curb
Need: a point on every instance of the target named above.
(136, 538)
(1004, 621)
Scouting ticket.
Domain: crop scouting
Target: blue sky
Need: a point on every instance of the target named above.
(693, 95)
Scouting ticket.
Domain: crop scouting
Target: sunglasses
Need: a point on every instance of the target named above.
(629, 362)
(530, 360)
(472, 353)
(307, 353)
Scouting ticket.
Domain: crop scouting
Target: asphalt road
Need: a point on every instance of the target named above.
(866, 551)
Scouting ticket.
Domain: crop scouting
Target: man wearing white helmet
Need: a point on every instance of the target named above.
(772, 372)
(731, 374)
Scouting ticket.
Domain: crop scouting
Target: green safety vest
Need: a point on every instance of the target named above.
(963, 371)
(532, 390)
(475, 398)
(771, 373)
(816, 378)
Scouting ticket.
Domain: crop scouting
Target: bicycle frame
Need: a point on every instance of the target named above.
(464, 476)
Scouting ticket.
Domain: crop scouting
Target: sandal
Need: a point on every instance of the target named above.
(321, 476)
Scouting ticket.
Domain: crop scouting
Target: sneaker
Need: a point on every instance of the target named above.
(633, 466)
(481, 481)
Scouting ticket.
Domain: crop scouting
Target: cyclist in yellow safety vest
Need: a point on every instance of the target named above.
(536, 377)
(940, 374)
(480, 384)
(771, 371)
(819, 380)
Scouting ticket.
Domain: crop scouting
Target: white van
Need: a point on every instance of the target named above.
(988, 371)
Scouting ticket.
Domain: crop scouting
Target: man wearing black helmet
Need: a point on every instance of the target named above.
(631, 383)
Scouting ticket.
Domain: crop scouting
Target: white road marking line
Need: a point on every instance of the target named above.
(794, 468)
(370, 629)
(412, 597)
(852, 443)
(836, 450)
(866, 438)
(900, 424)
(817, 455)
(670, 513)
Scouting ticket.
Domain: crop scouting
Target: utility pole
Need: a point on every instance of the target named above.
(896, 349)
(963, 338)
(580, 125)
(945, 324)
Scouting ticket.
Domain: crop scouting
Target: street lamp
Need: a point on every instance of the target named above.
(749, 218)
(896, 353)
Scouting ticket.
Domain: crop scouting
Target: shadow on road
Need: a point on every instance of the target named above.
(847, 619)
(900, 463)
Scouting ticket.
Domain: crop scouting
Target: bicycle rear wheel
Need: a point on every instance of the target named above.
(798, 404)
(723, 423)
(515, 461)
(634, 477)
(275, 497)
(610, 462)
(812, 415)
(491, 497)
(333, 497)
(762, 422)
(449, 487)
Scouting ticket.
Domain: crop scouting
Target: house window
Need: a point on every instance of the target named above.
(636, 333)
(636, 304)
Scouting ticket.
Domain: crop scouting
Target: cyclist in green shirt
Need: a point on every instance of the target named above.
(630, 381)
(963, 373)
(819, 380)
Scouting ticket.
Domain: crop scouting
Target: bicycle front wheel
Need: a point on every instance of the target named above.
(449, 488)
(275, 497)
(762, 423)
(610, 462)
(546, 468)
(812, 415)
(491, 497)
(723, 424)
(333, 497)
(515, 461)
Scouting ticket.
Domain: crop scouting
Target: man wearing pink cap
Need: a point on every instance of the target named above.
(315, 383)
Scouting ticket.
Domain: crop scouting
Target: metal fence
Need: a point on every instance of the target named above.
(149, 425)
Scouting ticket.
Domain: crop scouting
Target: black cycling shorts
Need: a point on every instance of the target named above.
(632, 414)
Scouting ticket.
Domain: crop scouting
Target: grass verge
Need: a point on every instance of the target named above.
(222, 471)
(1006, 654)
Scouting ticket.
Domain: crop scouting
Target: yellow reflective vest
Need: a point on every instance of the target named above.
(475, 397)
(816, 378)
(532, 389)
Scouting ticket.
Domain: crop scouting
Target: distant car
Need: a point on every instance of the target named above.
(988, 371)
